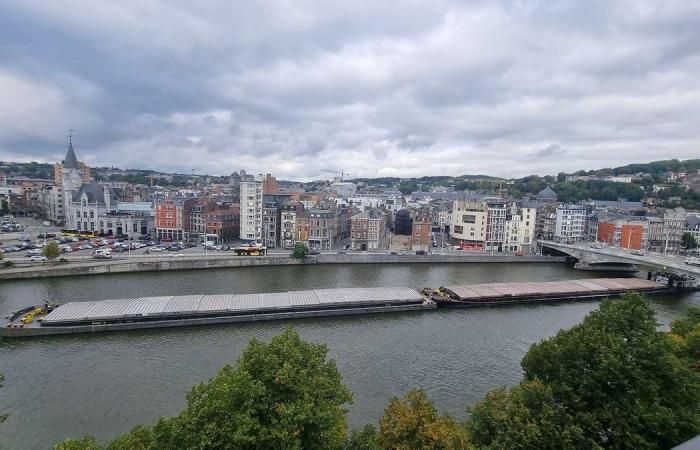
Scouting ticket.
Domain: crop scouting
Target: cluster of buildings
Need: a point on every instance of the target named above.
(622, 224)
(339, 214)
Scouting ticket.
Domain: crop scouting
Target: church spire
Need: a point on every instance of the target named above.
(71, 162)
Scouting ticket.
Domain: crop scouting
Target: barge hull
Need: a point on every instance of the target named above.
(94, 328)
(451, 303)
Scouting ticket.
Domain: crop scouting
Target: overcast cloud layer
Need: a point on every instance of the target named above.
(374, 88)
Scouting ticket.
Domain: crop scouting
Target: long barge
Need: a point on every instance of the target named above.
(190, 310)
(538, 292)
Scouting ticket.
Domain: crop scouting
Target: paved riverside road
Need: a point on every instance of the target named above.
(665, 262)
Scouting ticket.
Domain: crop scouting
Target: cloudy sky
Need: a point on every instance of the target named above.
(375, 88)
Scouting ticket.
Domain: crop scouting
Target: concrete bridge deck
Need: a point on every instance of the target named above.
(587, 254)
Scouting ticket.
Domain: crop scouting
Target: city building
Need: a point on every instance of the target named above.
(570, 223)
(251, 201)
(520, 227)
(468, 224)
(323, 227)
(270, 185)
(214, 221)
(368, 230)
(344, 188)
(421, 230)
(692, 226)
(172, 219)
(624, 231)
(270, 224)
(546, 195)
(289, 221)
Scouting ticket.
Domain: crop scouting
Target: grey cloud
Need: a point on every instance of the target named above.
(292, 88)
(549, 151)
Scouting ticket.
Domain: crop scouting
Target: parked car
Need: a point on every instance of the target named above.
(314, 252)
(421, 252)
(35, 258)
(157, 249)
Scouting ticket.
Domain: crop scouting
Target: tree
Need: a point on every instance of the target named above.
(300, 250)
(285, 394)
(689, 242)
(2, 255)
(412, 423)
(525, 417)
(619, 378)
(51, 251)
(366, 438)
(85, 443)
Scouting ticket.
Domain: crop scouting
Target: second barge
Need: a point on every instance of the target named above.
(543, 291)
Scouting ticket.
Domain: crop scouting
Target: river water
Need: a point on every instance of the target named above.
(103, 384)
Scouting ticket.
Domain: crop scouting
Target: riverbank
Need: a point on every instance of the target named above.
(196, 262)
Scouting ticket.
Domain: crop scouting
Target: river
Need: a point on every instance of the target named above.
(103, 384)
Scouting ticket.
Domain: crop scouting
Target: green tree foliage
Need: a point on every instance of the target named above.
(685, 337)
(51, 251)
(526, 417)
(365, 438)
(284, 394)
(689, 242)
(406, 187)
(2, 255)
(85, 443)
(139, 438)
(300, 251)
(619, 378)
(413, 423)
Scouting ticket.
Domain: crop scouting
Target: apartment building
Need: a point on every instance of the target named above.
(289, 221)
(520, 227)
(251, 203)
(468, 224)
(623, 231)
(172, 219)
(323, 229)
(368, 230)
(270, 224)
(420, 230)
(570, 223)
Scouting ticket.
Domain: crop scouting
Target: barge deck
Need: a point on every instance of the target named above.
(538, 292)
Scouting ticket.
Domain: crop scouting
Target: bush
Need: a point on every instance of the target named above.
(62, 260)
(300, 250)
(8, 263)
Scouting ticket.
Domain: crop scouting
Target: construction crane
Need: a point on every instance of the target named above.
(342, 174)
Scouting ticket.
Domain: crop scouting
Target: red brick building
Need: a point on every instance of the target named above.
(173, 218)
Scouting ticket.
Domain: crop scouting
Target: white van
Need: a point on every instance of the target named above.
(102, 254)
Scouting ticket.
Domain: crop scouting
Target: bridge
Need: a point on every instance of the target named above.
(592, 256)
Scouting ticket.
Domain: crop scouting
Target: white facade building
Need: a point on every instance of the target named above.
(251, 198)
(570, 223)
(344, 188)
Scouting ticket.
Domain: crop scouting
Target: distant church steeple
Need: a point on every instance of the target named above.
(71, 162)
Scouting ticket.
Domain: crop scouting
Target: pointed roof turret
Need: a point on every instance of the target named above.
(71, 162)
